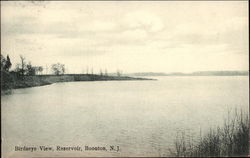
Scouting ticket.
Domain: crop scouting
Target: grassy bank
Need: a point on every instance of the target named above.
(232, 139)
(10, 81)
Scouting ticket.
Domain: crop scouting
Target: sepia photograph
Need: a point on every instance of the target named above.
(124, 79)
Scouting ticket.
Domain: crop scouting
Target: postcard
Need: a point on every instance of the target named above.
(124, 79)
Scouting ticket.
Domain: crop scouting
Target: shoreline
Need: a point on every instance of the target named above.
(42, 80)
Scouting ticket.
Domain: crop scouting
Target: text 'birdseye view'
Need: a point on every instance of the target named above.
(124, 79)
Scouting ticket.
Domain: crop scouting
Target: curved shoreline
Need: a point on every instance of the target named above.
(42, 80)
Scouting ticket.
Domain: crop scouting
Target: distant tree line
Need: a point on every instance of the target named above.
(25, 68)
(102, 73)
(11, 77)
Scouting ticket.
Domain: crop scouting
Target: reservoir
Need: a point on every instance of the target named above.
(143, 117)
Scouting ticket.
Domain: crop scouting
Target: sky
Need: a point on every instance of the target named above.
(132, 36)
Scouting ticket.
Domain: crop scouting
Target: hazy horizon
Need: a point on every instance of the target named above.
(163, 36)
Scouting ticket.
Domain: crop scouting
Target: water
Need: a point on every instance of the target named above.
(141, 117)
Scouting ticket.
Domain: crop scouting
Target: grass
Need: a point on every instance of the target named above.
(232, 139)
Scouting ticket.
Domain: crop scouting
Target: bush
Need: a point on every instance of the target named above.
(230, 140)
(6, 80)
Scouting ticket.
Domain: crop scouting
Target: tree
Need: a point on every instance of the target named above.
(40, 69)
(87, 70)
(101, 72)
(18, 69)
(30, 70)
(8, 63)
(106, 72)
(23, 65)
(5, 63)
(119, 72)
(92, 71)
(58, 68)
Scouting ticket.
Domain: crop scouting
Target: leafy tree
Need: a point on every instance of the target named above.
(18, 69)
(6, 78)
(40, 69)
(30, 70)
(58, 68)
(8, 63)
(26, 69)
(5, 63)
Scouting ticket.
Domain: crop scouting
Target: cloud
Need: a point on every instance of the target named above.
(98, 25)
(134, 34)
(119, 33)
(143, 20)
(19, 25)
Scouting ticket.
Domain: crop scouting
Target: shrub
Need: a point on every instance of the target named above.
(230, 140)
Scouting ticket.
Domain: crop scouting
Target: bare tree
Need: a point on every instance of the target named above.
(119, 72)
(87, 70)
(101, 72)
(92, 71)
(46, 68)
(23, 65)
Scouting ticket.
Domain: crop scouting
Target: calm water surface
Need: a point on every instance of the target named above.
(141, 117)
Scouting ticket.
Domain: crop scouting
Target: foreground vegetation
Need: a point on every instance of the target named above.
(232, 139)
